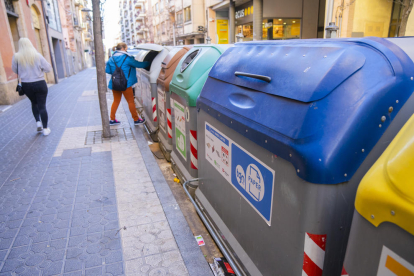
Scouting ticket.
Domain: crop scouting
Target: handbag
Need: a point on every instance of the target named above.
(19, 87)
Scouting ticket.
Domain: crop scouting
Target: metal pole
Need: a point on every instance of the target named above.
(232, 21)
(328, 13)
(100, 67)
(257, 19)
(48, 43)
(174, 34)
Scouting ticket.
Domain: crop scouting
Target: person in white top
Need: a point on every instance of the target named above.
(31, 66)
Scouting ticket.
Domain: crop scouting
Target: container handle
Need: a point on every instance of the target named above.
(254, 76)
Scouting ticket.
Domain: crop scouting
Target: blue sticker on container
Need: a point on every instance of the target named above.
(253, 179)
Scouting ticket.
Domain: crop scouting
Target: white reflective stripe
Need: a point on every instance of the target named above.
(193, 141)
(194, 161)
(304, 273)
(154, 113)
(169, 131)
(314, 252)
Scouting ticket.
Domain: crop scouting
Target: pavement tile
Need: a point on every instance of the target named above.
(67, 208)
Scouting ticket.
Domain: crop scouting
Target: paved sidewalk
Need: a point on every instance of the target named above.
(75, 204)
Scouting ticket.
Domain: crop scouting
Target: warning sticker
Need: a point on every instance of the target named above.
(161, 107)
(393, 265)
(253, 179)
(180, 137)
(218, 151)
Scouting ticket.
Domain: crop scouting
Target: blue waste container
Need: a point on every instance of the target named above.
(286, 130)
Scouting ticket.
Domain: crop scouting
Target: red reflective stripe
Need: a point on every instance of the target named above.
(320, 240)
(344, 273)
(194, 133)
(194, 151)
(193, 167)
(309, 267)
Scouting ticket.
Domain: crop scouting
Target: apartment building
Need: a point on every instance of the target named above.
(132, 21)
(19, 19)
(60, 30)
(78, 35)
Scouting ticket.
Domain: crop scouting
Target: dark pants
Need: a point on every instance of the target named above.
(37, 93)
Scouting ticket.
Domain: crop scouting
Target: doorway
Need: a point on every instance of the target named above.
(14, 31)
(57, 48)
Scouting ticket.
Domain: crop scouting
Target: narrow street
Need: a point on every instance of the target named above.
(74, 204)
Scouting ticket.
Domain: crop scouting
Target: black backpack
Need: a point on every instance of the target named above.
(119, 82)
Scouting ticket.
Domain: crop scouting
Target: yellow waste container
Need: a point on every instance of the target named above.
(381, 240)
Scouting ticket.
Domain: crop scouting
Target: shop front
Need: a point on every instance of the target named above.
(273, 27)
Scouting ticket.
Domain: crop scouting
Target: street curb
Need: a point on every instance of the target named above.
(190, 251)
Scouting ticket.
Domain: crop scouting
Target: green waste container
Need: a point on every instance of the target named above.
(188, 80)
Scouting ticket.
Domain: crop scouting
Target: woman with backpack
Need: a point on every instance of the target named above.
(30, 67)
(122, 66)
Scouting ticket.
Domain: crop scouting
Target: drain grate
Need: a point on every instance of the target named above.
(117, 135)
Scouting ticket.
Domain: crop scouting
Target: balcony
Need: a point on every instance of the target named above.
(88, 37)
(171, 7)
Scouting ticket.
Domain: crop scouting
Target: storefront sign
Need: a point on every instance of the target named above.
(244, 12)
(223, 31)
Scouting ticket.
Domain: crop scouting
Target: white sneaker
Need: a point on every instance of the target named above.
(39, 126)
(46, 131)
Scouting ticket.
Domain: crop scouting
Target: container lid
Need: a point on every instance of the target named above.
(151, 47)
(169, 64)
(197, 62)
(174, 56)
(319, 104)
(386, 193)
(298, 72)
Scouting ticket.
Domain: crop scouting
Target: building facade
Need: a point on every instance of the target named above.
(264, 20)
(224, 21)
(58, 29)
(360, 18)
(19, 19)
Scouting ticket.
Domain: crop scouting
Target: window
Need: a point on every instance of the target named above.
(281, 28)
(161, 5)
(163, 28)
(187, 14)
(180, 18)
(156, 8)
